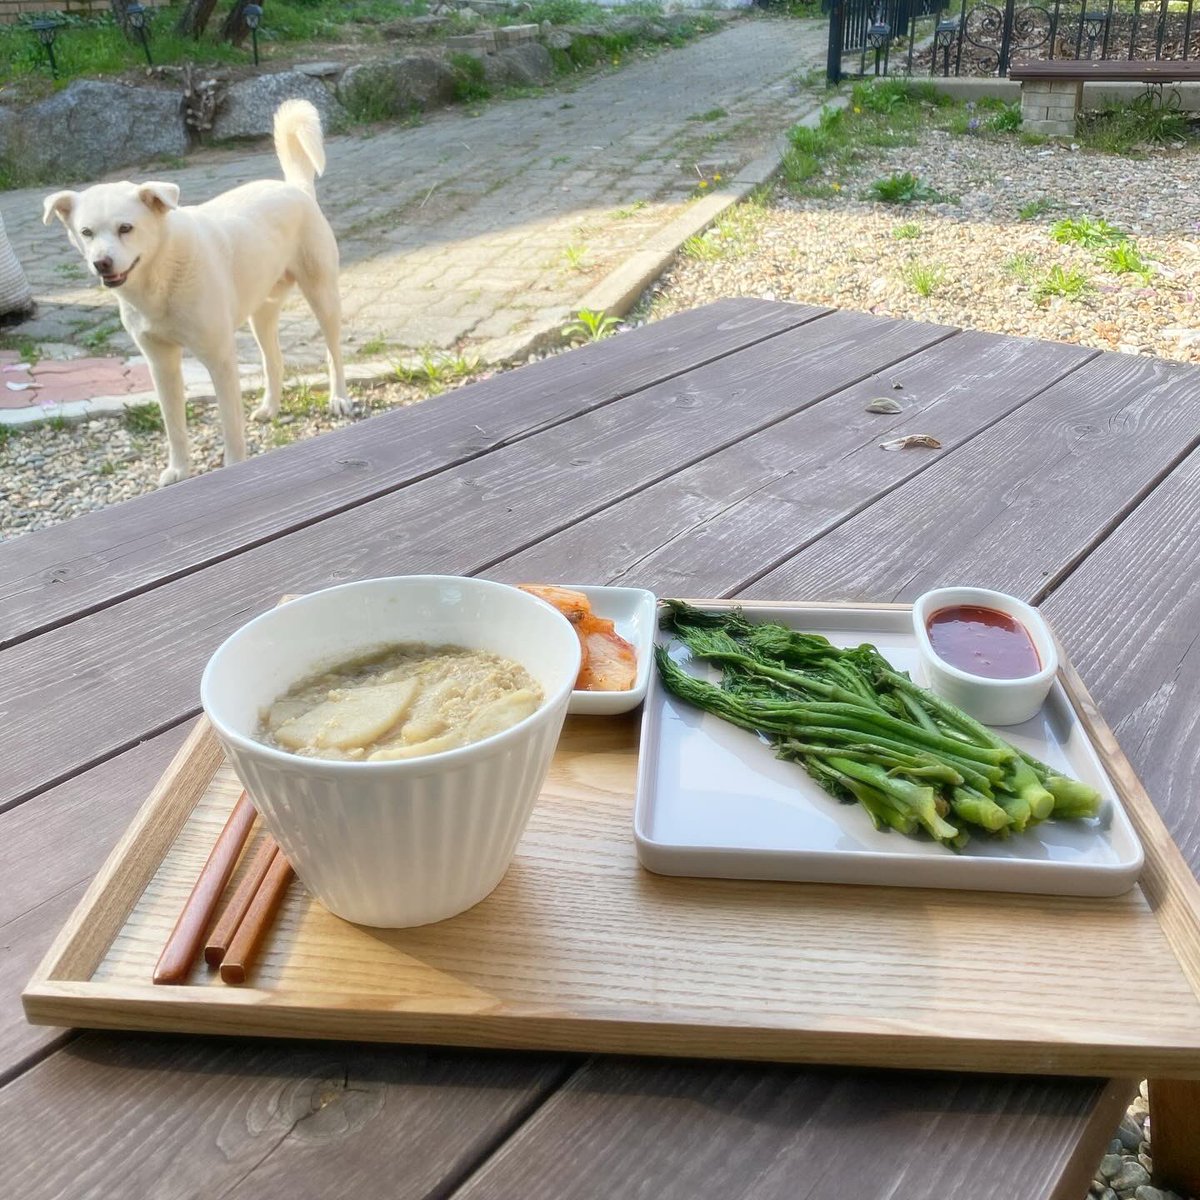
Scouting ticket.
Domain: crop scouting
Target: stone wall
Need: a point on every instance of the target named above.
(12, 10)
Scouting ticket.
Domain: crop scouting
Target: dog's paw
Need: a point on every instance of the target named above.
(264, 412)
(342, 406)
(172, 475)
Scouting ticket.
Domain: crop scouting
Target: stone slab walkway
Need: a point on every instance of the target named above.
(471, 229)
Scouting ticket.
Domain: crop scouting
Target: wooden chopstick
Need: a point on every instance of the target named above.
(250, 933)
(188, 935)
(217, 945)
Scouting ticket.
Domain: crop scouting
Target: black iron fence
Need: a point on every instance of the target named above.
(945, 37)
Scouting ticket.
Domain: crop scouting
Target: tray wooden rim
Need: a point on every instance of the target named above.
(62, 992)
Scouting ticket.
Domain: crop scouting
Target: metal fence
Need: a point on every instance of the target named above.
(969, 38)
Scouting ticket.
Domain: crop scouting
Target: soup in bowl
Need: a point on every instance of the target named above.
(395, 780)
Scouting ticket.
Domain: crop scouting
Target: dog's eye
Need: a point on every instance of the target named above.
(124, 229)
(87, 233)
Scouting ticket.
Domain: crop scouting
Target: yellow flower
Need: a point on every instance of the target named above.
(703, 183)
(716, 177)
(837, 187)
(857, 109)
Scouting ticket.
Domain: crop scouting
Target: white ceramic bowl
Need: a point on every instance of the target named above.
(992, 701)
(401, 843)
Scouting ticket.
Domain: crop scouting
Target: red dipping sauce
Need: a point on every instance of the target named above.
(983, 642)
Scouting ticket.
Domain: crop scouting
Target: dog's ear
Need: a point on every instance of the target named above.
(59, 205)
(159, 197)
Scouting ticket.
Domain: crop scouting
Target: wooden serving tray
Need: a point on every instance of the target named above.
(580, 949)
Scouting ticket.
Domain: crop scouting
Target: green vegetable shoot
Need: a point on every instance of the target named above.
(865, 732)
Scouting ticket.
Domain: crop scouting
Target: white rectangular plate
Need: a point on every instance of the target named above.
(713, 800)
(633, 612)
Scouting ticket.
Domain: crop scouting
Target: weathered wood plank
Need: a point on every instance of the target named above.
(96, 558)
(139, 661)
(49, 851)
(177, 1118)
(1020, 505)
(715, 525)
(1130, 614)
(685, 1131)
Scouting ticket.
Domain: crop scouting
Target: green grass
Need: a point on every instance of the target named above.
(1021, 267)
(434, 372)
(701, 248)
(987, 115)
(1126, 259)
(23, 344)
(903, 187)
(143, 418)
(7, 433)
(1070, 283)
(98, 338)
(1086, 232)
(923, 278)
(908, 232)
(374, 347)
(590, 326)
(713, 114)
(575, 256)
(107, 468)
(1124, 128)
(1035, 208)
(470, 79)
(623, 214)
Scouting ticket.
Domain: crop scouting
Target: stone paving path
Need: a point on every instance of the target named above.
(468, 227)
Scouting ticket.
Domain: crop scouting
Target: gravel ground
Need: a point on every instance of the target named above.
(55, 471)
(984, 261)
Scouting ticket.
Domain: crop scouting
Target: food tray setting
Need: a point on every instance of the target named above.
(713, 800)
(580, 948)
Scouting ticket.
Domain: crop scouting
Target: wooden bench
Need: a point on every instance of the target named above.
(1052, 89)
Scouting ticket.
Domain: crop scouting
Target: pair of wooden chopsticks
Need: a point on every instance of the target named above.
(242, 926)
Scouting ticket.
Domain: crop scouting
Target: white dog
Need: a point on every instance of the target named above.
(188, 278)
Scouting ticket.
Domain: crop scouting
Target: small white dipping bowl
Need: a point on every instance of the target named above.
(402, 843)
(992, 701)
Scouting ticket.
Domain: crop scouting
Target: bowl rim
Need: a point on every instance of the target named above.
(1034, 622)
(422, 764)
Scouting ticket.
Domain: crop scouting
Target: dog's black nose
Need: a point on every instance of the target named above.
(103, 265)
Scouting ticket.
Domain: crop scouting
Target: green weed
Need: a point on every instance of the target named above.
(903, 188)
(907, 232)
(374, 347)
(1148, 120)
(1126, 259)
(107, 468)
(1035, 208)
(713, 114)
(435, 372)
(575, 256)
(1070, 283)
(143, 418)
(924, 279)
(1083, 231)
(24, 345)
(590, 326)
(1021, 267)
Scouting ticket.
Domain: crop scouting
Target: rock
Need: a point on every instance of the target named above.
(1146, 1192)
(528, 65)
(1110, 1164)
(558, 39)
(248, 108)
(320, 70)
(1116, 1146)
(412, 26)
(1131, 1176)
(91, 127)
(388, 89)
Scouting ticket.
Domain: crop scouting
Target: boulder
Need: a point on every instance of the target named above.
(247, 109)
(379, 90)
(558, 39)
(412, 27)
(527, 65)
(91, 128)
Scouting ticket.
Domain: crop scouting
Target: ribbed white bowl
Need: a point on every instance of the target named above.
(396, 843)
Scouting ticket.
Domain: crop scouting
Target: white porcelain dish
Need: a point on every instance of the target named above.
(403, 843)
(713, 800)
(992, 701)
(633, 612)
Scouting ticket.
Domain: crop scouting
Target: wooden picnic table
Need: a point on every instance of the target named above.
(726, 451)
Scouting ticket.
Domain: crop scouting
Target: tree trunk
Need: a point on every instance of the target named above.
(194, 19)
(235, 30)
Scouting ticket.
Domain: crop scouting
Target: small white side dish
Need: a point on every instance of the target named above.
(633, 612)
(408, 842)
(992, 701)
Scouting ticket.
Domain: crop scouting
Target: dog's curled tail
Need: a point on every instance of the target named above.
(299, 143)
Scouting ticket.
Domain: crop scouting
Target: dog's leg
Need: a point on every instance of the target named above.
(223, 368)
(166, 370)
(264, 324)
(320, 290)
